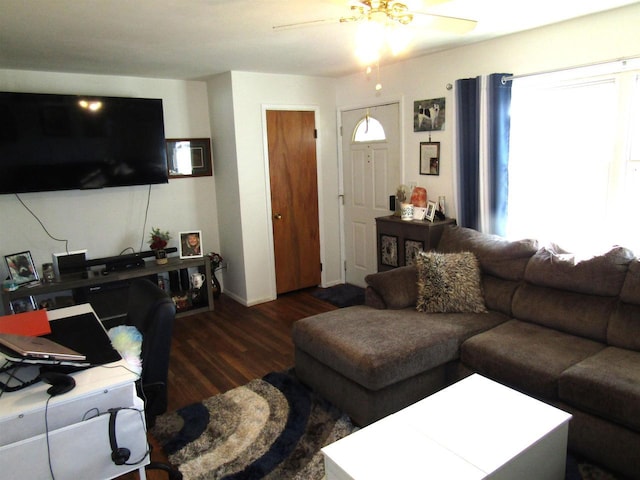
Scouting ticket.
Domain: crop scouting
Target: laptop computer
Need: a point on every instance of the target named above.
(38, 348)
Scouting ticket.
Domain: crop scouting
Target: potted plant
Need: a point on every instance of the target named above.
(157, 243)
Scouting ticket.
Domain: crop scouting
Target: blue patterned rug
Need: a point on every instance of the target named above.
(343, 295)
(271, 428)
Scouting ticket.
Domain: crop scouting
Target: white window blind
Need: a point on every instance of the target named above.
(574, 162)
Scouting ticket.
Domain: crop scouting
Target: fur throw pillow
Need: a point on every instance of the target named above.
(449, 282)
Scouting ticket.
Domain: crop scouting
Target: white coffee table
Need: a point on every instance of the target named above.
(474, 429)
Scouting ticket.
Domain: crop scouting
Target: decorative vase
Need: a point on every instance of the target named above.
(215, 285)
(406, 211)
(419, 197)
(161, 256)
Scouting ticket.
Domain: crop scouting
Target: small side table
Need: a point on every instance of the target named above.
(400, 240)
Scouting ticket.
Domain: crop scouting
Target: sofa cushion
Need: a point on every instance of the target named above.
(630, 292)
(525, 356)
(377, 348)
(449, 282)
(599, 275)
(498, 293)
(397, 288)
(624, 325)
(606, 384)
(497, 256)
(570, 312)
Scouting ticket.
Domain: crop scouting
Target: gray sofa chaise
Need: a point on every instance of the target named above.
(562, 329)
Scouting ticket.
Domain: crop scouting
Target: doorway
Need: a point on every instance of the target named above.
(291, 138)
(371, 173)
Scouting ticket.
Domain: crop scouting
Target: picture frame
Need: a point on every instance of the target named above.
(431, 210)
(190, 244)
(189, 157)
(429, 115)
(411, 250)
(429, 158)
(21, 305)
(22, 270)
(389, 250)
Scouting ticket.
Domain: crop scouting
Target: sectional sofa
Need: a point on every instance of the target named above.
(560, 328)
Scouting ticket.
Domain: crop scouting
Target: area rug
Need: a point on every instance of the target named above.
(271, 428)
(343, 295)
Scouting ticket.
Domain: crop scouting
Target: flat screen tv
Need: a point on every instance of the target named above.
(64, 142)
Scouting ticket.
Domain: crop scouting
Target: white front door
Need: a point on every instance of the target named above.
(371, 173)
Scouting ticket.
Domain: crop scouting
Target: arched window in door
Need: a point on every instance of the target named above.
(368, 130)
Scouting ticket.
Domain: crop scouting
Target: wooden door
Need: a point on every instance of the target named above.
(294, 199)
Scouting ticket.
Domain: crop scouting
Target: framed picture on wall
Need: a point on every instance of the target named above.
(428, 115)
(429, 158)
(189, 157)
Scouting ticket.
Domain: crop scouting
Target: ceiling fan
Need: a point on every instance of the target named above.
(392, 12)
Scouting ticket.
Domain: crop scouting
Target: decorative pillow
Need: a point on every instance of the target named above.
(449, 282)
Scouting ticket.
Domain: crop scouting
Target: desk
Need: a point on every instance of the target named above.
(78, 436)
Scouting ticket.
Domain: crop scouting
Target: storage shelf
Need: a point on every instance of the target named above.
(75, 281)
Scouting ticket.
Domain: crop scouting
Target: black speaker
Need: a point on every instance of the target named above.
(119, 455)
(73, 262)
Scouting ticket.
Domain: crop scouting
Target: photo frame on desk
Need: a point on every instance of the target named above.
(21, 268)
(191, 244)
(431, 211)
(189, 157)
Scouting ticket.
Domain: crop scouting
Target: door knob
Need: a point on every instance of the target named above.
(277, 216)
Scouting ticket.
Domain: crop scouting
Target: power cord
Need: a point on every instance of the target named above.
(66, 241)
(146, 215)
(46, 431)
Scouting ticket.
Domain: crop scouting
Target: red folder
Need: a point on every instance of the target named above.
(34, 324)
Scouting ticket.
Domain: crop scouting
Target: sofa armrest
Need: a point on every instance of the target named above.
(393, 289)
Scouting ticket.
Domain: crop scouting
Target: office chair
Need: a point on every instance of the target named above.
(153, 312)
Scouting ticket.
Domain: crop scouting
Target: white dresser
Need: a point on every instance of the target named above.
(68, 434)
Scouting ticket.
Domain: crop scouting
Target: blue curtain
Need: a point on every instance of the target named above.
(495, 134)
(468, 151)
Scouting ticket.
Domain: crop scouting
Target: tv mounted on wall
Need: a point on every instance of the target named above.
(64, 142)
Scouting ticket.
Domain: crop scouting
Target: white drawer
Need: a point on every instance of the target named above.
(79, 450)
(62, 412)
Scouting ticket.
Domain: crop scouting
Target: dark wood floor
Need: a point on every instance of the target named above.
(216, 351)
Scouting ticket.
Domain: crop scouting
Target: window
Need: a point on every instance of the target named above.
(368, 130)
(574, 161)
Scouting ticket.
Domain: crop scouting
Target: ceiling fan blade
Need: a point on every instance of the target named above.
(310, 23)
(444, 23)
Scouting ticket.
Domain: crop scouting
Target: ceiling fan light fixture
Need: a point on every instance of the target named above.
(369, 42)
(398, 39)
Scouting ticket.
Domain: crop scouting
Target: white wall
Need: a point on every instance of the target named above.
(252, 250)
(607, 36)
(109, 221)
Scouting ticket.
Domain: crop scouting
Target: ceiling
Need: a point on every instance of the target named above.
(192, 39)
